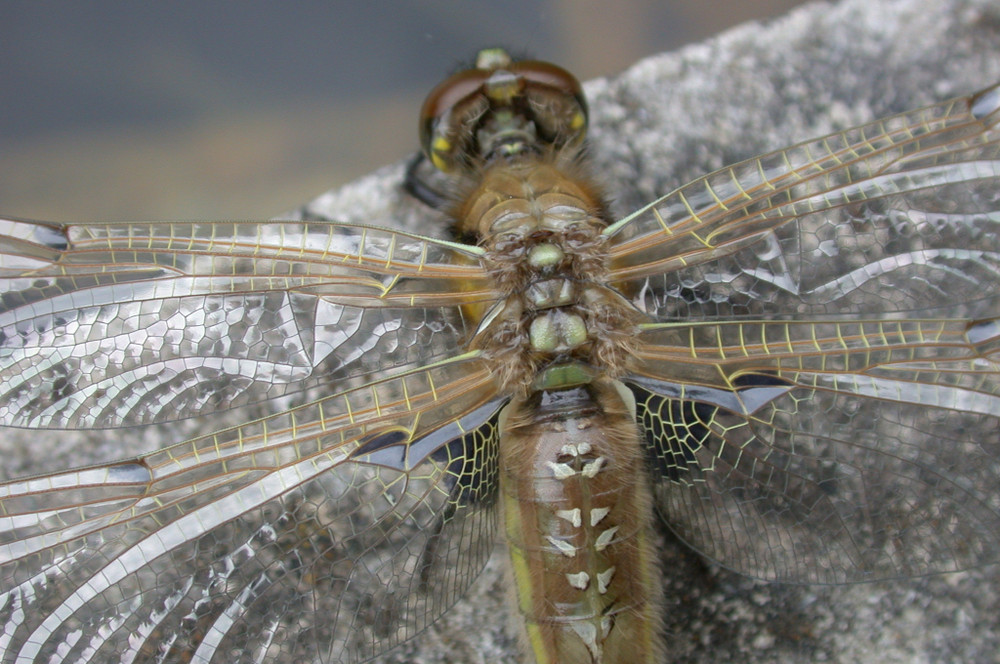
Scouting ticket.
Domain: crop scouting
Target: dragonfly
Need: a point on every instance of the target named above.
(794, 361)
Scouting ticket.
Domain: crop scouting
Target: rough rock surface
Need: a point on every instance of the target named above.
(667, 120)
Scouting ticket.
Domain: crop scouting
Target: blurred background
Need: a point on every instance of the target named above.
(199, 110)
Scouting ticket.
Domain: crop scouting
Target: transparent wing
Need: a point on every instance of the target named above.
(900, 215)
(354, 520)
(106, 325)
(820, 394)
(827, 452)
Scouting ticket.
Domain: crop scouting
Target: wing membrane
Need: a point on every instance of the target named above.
(214, 545)
(827, 452)
(720, 355)
(119, 324)
(906, 205)
(821, 390)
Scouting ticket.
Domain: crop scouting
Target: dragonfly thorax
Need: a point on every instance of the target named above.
(559, 323)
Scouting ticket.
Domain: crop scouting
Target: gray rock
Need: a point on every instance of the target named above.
(665, 121)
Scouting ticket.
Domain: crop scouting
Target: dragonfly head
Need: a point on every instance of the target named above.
(501, 109)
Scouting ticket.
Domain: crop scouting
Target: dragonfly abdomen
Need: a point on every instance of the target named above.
(577, 512)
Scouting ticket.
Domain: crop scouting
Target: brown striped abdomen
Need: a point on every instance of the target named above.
(577, 511)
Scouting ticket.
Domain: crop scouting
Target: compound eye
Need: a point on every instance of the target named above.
(548, 75)
(556, 96)
(455, 91)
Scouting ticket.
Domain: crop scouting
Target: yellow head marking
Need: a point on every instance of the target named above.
(440, 151)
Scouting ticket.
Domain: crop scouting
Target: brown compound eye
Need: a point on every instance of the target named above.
(558, 105)
(547, 75)
(504, 97)
(454, 92)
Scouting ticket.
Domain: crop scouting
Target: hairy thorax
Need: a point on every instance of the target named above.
(541, 226)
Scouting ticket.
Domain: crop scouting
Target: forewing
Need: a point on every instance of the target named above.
(900, 215)
(329, 532)
(106, 325)
(827, 452)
